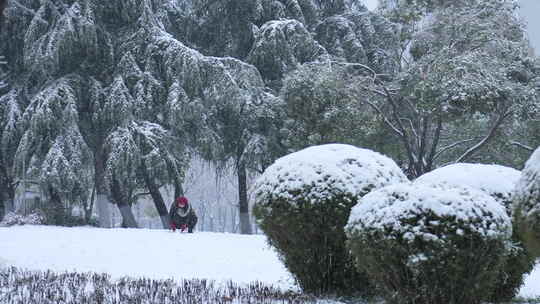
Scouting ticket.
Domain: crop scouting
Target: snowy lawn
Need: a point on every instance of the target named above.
(155, 254)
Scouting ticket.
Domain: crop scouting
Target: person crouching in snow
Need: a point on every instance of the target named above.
(182, 216)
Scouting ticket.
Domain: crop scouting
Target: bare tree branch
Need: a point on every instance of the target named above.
(522, 146)
(435, 143)
(385, 119)
(29, 11)
(485, 140)
(451, 146)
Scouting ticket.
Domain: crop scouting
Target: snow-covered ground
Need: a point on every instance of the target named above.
(155, 254)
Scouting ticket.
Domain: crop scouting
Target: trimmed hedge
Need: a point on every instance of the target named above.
(499, 182)
(430, 244)
(303, 202)
(527, 204)
(310, 241)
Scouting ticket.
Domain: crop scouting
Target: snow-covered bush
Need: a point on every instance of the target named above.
(527, 204)
(12, 219)
(430, 243)
(303, 202)
(499, 182)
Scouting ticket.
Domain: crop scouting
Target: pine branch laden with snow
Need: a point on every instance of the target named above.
(296, 46)
(360, 36)
(319, 173)
(51, 123)
(496, 180)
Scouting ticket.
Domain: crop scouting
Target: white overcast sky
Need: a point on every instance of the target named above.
(530, 11)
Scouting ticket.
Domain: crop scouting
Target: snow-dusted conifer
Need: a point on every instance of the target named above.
(53, 151)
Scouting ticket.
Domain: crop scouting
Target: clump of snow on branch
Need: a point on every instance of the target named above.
(429, 212)
(321, 172)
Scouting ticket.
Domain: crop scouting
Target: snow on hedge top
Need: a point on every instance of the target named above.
(321, 172)
(527, 194)
(498, 181)
(416, 210)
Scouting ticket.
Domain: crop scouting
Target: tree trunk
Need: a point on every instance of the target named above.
(161, 207)
(2, 208)
(7, 199)
(7, 195)
(128, 219)
(178, 189)
(102, 202)
(55, 210)
(245, 226)
(89, 207)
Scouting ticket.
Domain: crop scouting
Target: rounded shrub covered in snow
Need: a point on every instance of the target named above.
(430, 243)
(303, 202)
(499, 182)
(527, 204)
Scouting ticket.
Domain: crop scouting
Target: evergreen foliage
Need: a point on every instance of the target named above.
(292, 45)
(320, 108)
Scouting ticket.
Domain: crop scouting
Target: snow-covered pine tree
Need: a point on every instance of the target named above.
(238, 119)
(52, 150)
